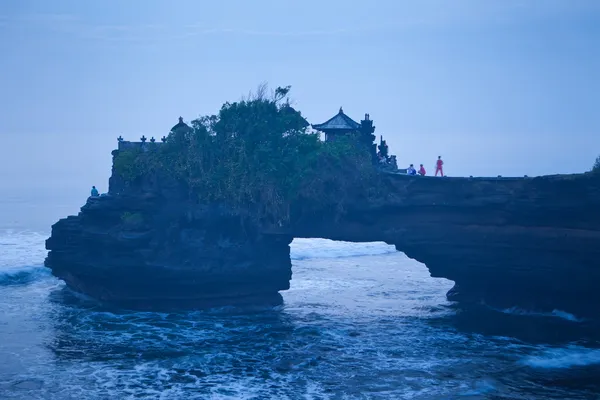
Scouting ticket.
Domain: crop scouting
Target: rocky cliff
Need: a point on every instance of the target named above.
(529, 242)
(151, 247)
(145, 253)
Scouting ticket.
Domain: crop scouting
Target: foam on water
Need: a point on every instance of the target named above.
(21, 248)
(22, 275)
(554, 314)
(22, 254)
(566, 316)
(565, 357)
(302, 249)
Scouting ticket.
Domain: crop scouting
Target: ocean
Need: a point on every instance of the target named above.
(361, 321)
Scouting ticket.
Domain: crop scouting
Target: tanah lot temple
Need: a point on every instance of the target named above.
(335, 127)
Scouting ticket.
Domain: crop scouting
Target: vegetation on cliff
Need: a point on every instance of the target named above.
(596, 167)
(256, 154)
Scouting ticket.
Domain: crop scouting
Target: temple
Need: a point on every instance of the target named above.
(181, 126)
(339, 125)
(342, 125)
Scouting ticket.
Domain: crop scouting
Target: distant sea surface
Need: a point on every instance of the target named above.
(361, 321)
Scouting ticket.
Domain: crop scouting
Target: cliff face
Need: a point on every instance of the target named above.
(145, 252)
(532, 242)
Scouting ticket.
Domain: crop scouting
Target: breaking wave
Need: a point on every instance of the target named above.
(303, 249)
(560, 358)
(23, 254)
(21, 248)
(22, 276)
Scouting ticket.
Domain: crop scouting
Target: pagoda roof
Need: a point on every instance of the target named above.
(339, 122)
(180, 125)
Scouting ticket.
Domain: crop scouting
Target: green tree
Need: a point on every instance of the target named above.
(596, 167)
(255, 154)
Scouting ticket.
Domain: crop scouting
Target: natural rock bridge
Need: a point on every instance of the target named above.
(529, 242)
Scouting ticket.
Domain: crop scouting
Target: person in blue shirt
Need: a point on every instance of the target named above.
(95, 192)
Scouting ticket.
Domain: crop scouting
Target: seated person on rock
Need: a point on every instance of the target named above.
(95, 192)
(411, 170)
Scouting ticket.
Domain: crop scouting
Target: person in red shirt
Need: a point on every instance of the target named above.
(422, 171)
(439, 166)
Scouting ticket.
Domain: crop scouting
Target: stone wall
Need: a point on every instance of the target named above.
(146, 145)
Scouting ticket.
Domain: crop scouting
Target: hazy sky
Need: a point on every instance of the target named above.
(495, 87)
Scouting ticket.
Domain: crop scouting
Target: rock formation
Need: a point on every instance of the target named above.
(528, 242)
(144, 253)
(525, 242)
(150, 247)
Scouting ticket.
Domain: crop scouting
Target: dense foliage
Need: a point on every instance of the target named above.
(256, 153)
(596, 167)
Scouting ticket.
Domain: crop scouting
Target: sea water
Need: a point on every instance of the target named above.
(361, 321)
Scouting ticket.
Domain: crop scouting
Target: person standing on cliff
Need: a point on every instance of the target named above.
(439, 166)
(95, 192)
(422, 171)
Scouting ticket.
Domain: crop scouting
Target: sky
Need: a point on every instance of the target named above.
(507, 87)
